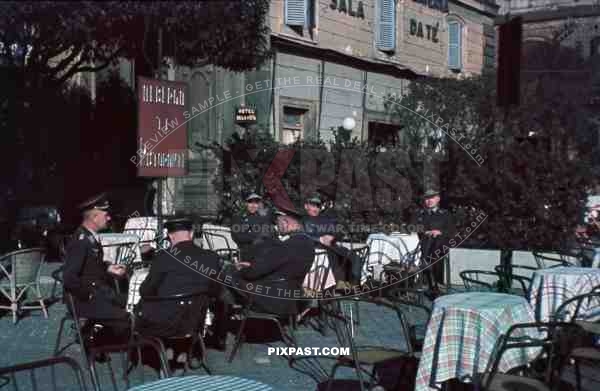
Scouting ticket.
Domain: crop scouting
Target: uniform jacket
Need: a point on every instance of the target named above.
(176, 271)
(282, 268)
(86, 278)
(249, 230)
(317, 226)
(431, 219)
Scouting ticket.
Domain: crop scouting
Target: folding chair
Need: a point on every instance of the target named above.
(537, 335)
(131, 354)
(583, 311)
(219, 242)
(358, 338)
(286, 333)
(556, 259)
(76, 380)
(196, 305)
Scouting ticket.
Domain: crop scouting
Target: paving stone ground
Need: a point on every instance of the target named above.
(33, 338)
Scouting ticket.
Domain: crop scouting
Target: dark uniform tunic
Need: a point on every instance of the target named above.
(281, 269)
(182, 269)
(248, 231)
(86, 278)
(320, 225)
(431, 247)
(346, 265)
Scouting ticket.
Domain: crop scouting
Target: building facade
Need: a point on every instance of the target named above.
(332, 59)
(561, 57)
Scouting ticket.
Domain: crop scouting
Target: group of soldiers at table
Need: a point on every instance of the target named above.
(265, 260)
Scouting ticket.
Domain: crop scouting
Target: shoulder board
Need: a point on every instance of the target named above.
(81, 236)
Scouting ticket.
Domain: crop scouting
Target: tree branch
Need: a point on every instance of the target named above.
(77, 69)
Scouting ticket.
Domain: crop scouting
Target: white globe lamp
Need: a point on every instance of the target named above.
(349, 123)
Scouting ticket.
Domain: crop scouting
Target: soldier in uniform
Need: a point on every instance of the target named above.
(171, 274)
(316, 224)
(435, 231)
(88, 278)
(346, 266)
(281, 269)
(253, 228)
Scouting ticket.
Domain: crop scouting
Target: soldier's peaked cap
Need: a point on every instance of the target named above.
(99, 202)
(253, 196)
(431, 193)
(179, 224)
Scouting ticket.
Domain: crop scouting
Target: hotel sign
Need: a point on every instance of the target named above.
(162, 128)
(245, 115)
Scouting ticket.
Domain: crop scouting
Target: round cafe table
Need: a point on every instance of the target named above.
(203, 383)
(462, 333)
(553, 286)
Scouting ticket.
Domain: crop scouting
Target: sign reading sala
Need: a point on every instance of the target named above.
(345, 6)
(162, 128)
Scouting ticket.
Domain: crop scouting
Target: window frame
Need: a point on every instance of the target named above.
(461, 26)
(378, 31)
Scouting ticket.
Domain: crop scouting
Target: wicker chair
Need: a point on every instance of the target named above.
(20, 271)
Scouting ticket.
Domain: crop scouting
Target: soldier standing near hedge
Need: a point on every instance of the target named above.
(436, 226)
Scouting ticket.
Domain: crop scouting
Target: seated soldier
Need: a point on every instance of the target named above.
(252, 228)
(90, 280)
(345, 264)
(281, 269)
(172, 273)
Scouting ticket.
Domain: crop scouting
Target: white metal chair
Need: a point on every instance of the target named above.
(19, 271)
(382, 251)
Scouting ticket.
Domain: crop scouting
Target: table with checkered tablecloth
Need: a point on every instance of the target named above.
(553, 286)
(462, 333)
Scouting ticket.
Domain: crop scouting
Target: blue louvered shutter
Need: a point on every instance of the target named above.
(295, 12)
(454, 45)
(386, 22)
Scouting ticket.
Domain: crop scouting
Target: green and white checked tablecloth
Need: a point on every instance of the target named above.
(462, 334)
(552, 287)
(203, 383)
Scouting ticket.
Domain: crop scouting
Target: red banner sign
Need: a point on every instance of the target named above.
(162, 128)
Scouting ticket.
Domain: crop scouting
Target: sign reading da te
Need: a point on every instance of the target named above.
(431, 32)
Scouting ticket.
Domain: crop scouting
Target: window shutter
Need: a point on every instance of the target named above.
(295, 12)
(386, 21)
(454, 45)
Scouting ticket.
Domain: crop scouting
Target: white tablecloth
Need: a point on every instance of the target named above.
(110, 243)
(133, 296)
(317, 270)
(144, 227)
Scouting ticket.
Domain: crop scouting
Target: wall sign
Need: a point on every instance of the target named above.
(245, 115)
(347, 7)
(425, 31)
(162, 128)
